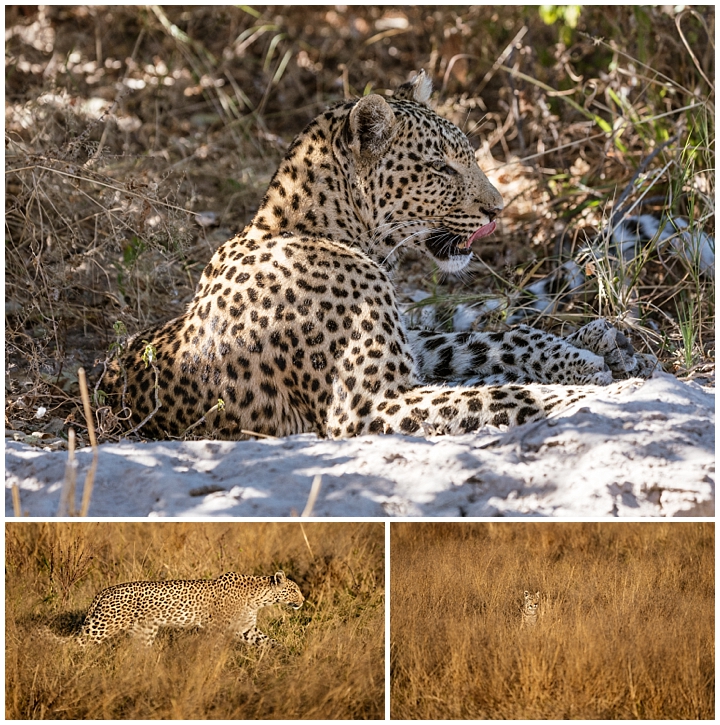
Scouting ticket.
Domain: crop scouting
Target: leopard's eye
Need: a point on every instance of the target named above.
(443, 168)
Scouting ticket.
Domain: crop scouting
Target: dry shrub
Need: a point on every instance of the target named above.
(331, 664)
(626, 627)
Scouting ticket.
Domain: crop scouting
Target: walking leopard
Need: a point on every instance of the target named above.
(229, 602)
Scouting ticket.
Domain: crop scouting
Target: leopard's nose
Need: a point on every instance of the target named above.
(492, 202)
(491, 205)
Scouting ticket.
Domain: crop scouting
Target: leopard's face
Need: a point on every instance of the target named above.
(419, 176)
(531, 603)
(276, 589)
(287, 591)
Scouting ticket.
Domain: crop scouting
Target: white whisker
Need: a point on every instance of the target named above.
(400, 243)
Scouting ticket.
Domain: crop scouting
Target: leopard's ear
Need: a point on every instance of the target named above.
(418, 89)
(527, 594)
(279, 579)
(372, 123)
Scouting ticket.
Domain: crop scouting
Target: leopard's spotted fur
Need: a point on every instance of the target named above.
(295, 323)
(529, 611)
(230, 602)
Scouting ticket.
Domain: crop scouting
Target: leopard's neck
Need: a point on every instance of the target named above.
(316, 192)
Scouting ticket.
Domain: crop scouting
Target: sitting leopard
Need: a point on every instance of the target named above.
(229, 602)
(529, 610)
(295, 326)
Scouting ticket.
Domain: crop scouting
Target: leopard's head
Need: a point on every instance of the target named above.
(531, 602)
(287, 591)
(417, 179)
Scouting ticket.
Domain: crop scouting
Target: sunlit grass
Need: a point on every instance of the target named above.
(626, 627)
(330, 663)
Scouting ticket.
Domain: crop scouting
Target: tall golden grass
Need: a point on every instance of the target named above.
(626, 626)
(330, 665)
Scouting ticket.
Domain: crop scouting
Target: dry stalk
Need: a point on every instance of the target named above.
(257, 435)
(90, 478)
(220, 405)
(67, 496)
(158, 404)
(314, 491)
(307, 543)
(16, 500)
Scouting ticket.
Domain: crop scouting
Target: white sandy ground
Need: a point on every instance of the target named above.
(638, 449)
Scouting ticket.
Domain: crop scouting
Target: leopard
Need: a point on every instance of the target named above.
(530, 607)
(295, 325)
(229, 602)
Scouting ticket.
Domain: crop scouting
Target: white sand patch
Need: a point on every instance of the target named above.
(638, 449)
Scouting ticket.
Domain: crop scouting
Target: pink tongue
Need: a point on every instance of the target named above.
(480, 233)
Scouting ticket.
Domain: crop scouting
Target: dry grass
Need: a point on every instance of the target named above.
(125, 123)
(331, 664)
(626, 629)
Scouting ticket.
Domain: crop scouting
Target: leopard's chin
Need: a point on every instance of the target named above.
(453, 252)
(444, 245)
(453, 265)
(450, 249)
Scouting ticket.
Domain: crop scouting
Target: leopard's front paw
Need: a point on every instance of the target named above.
(600, 337)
